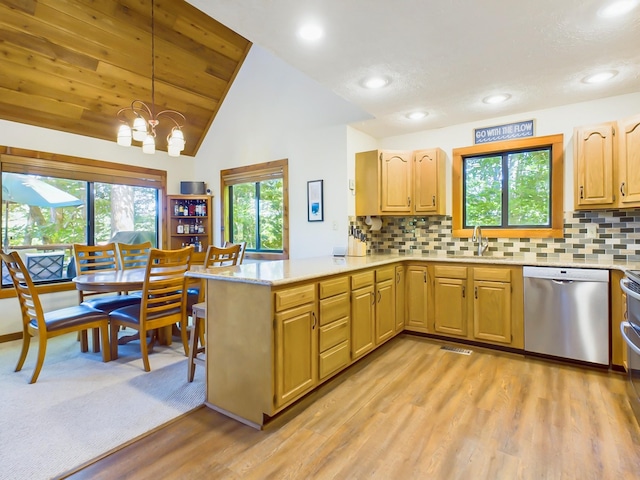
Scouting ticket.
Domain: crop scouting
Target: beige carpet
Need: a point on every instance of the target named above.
(81, 408)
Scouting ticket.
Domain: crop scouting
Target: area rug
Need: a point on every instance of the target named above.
(81, 408)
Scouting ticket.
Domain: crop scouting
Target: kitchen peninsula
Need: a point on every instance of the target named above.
(276, 330)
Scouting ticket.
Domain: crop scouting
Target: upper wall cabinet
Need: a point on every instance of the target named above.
(400, 182)
(604, 160)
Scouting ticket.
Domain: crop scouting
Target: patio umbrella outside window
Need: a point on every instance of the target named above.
(26, 190)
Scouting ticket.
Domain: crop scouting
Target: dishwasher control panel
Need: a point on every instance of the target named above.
(560, 273)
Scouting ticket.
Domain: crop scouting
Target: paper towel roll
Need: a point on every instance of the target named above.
(375, 224)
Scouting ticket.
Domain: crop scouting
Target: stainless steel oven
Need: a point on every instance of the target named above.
(631, 334)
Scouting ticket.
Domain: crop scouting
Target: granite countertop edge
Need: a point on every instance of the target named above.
(283, 272)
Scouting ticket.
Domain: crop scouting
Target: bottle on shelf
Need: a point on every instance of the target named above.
(180, 227)
(180, 208)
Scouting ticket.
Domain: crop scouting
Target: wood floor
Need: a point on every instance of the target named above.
(411, 411)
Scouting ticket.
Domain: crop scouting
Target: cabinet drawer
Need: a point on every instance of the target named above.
(363, 279)
(383, 274)
(449, 271)
(335, 286)
(492, 274)
(334, 308)
(333, 334)
(334, 359)
(292, 297)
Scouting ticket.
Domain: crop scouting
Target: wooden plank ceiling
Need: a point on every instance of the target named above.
(70, 65)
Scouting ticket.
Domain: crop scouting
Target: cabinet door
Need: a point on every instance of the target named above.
(362, 321)
(296, 352)
(416, 299)
(450, 306)
(629, 161)
(492, 311)
(385, 311)
(400, 299)
(395, 182)
(594, 165)
(428, 179)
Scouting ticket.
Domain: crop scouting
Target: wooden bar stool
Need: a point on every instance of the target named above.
(199, 315)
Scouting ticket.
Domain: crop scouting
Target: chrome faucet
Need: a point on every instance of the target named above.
(477, 237)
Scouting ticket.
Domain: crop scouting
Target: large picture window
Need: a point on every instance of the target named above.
(255, 205)
(51, 202)
(512, 189)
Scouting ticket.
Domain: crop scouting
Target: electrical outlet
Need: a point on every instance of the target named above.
(592, 230)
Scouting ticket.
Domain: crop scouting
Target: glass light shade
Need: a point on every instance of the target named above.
(139, 129)
(124, 135)
(173, 151)
(149, 144)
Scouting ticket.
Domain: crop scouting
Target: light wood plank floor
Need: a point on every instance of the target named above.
(412, 411)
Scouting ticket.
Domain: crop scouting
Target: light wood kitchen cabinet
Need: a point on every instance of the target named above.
(429, 182)
(335, 326)
(593, 164)
(385, 304)
(450, 300)
(629, 161)
(605, 165)
(417, 299)
(481, 304)
(400, 298)
(362, 313)
(296, 343)
(400, 182)
(492, 305)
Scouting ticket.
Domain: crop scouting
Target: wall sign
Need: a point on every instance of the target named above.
(504, 132)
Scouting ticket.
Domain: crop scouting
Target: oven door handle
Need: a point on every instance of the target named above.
(627, 290)
(630, 344)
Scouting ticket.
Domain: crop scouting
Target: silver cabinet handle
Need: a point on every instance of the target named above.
(630, 344)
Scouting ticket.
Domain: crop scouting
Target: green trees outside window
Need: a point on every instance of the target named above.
(508, 189)
(256, 214)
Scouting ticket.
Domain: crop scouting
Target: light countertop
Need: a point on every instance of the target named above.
(282, 272)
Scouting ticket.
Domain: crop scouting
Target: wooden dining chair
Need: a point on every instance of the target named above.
(35, 322)
(243, 247)
(164, 301)
(133, 255)
(93, 258)
(215, 257)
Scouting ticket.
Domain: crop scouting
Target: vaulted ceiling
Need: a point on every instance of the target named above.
(70, 65)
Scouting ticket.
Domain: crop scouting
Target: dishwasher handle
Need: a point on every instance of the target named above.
(562, 282)
(630, 293)
(629, 342)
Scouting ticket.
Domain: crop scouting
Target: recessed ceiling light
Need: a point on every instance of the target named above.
(499, 98)
(416, 115)
(375, 82)
(311, 32)
(600, 77)
(617, 9)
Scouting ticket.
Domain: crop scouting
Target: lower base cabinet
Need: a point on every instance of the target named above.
(416, 292)
(362, 314)
(335, 326)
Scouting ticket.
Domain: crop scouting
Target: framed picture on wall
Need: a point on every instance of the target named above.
(315, 202)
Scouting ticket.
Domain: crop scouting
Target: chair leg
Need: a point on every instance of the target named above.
(144, 350)
(96, 340)
(104, 340)
(84, 341)
(193, 347)
(26, 340)
(113, 328)
(42, 349)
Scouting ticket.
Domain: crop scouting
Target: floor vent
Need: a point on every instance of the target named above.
(462, 351)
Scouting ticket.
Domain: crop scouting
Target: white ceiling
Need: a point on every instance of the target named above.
(445, 56)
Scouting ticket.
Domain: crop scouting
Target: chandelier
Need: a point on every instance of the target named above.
(145, 120)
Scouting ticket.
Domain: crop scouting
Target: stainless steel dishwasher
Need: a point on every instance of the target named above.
(566, 313)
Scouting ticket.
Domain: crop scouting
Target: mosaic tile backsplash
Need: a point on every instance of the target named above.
(617, 237)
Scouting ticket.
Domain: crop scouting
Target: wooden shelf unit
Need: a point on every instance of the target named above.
(197, 224)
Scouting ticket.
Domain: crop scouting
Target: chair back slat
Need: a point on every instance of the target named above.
(222, 256)
(30, 305)
(133, 255)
